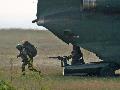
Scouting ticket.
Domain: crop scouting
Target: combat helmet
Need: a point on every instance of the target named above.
(19, 47)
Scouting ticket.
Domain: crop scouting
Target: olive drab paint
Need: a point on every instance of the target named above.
(91, 24)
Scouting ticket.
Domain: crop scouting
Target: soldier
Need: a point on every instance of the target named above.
(76, 55)
(26, 59)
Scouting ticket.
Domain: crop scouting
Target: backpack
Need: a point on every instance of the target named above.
(31, 49)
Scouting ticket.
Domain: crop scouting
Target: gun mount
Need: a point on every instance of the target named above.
(79, 67)
(93, 68)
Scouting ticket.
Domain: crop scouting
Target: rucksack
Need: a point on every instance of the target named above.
(31, 49)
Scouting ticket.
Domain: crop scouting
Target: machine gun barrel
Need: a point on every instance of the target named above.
(62, 59)
(58, 57)
(52, 57)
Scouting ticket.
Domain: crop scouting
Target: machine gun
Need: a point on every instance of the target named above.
(63, 60)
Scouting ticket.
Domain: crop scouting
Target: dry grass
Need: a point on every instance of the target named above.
(51, 79)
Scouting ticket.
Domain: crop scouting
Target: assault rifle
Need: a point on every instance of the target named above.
(63, 60)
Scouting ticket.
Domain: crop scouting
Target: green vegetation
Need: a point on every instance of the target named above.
(51, 77)
(5, 86)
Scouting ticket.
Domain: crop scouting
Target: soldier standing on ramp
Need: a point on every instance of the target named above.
(27, 52)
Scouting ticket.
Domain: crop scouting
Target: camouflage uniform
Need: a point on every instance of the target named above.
(26, 60)
(27, 45)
